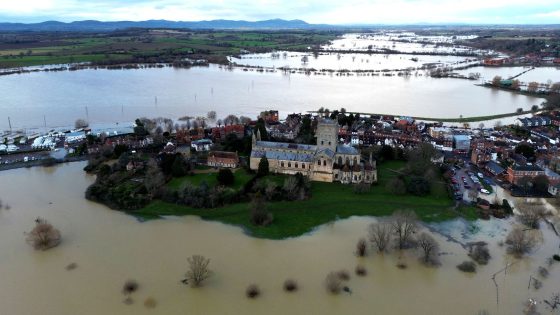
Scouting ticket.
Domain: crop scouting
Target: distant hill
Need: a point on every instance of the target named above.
(96, 26)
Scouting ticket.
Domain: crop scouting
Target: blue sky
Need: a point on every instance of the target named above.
(313, 11)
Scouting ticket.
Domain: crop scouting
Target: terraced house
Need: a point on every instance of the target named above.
(328, 161)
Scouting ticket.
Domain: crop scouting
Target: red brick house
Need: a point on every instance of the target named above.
(220, 133)
(517, 171)
(223, 159)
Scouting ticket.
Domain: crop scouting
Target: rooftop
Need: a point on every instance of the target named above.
(286, 146)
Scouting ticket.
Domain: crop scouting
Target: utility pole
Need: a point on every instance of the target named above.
(87, 114)
(10, 124)
(45, 121)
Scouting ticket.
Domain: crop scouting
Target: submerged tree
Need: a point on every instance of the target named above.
(380, 235)
(198, 270)
(404, 225)
(43, 236)
(430, 249)
(520, 241)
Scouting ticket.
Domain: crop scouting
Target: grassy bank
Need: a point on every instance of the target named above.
(329, 202)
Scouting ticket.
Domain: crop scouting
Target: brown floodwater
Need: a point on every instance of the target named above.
(110, 247)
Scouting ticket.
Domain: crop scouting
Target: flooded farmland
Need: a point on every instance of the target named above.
(110, 96)
(109, 247)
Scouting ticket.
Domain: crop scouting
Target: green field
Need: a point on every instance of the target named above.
(148, 46)
(329, 202)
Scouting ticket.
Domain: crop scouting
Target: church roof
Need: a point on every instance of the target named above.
(346, 149)
(328, 152)
(286, 156)
(286, 146)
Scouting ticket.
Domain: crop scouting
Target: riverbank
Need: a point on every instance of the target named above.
(449, 120)
(328, 202)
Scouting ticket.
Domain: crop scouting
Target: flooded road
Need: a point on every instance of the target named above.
(110, 247)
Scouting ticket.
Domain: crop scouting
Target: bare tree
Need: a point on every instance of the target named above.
(43, 236)
(198, 270)
(532, 86)
(404, 225)
(211, 115)
(555, 87)
(520, 241)
(496, 80)
(245, 120)
(430, 249)
(380, 235)
(231, 120)
(80, 123)
(361, 247)
(219, 122)
(531, 213)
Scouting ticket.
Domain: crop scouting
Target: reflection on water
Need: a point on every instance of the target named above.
(123, 95)
(110, 247)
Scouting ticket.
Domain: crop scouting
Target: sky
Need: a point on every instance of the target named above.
(311, 11)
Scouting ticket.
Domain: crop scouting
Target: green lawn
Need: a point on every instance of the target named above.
(241, 177)
(329, 202)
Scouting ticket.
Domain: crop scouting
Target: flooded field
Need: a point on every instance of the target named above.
(540, 74)
(111, 96)
(405, 42)
(337, 62)
(110, 247)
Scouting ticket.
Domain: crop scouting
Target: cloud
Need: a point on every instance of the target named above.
(314, 11)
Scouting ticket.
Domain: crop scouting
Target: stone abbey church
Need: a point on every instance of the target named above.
(328, 161)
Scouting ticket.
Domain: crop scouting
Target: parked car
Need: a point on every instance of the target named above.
(484, 191)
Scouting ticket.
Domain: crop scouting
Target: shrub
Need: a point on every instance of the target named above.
(343, 275)
(252, 291)
(543, 272)
(361, 270)
(225, 177)
(198, 270)
(333, 284)
(129, 287)
(467, 266)
(361, 188)
(480, 253)
(150, 302)
(396, 186)
(520, 242)
(259, 215)
(418, 186)
(361, 247)
(290, 285)
(537, 284)
(43, 236)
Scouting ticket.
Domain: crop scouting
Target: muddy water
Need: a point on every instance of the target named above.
(110, 247)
